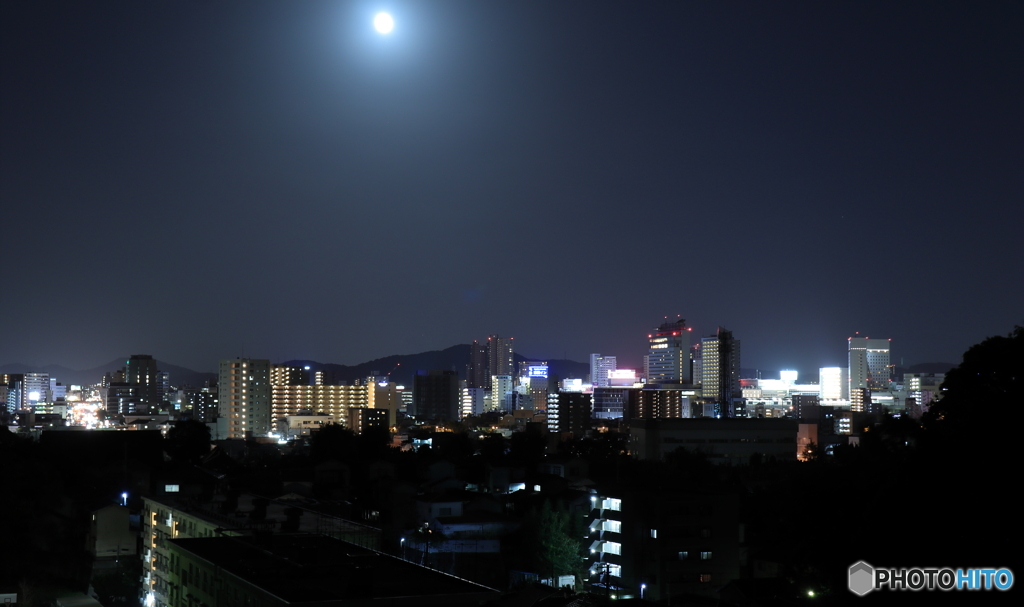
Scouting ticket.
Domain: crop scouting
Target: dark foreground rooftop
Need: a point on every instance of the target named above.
(307, 568)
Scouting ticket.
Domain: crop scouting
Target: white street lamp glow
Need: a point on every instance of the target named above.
(384, 23)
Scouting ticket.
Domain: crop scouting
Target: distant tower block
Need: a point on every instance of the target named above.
(668, 359)
(869, 363)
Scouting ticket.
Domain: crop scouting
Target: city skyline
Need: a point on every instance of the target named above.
(809, 373)
(202, 181)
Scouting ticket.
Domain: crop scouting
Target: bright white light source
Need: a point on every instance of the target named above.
(384, 23)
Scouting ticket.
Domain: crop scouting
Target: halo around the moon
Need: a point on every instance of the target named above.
(383, 23)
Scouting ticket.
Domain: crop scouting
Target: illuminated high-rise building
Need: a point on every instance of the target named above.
(501, 393)
(244, 397)
(834, 383)
(600, 366)
(534, 381)
(668, 359)
(869, 363)
(500, 360)
(473, 402)
(35, 390)
(478, 371)
(494, 357)
(720, 357)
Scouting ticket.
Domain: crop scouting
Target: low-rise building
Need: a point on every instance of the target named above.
(305, 570)
(723, 441)
(663, 544)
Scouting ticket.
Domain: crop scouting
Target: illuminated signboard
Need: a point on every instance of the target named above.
(537, 371)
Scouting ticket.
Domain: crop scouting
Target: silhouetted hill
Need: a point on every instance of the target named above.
(402, 367)
(178, 375)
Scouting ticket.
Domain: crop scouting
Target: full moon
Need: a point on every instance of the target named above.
(384, 23)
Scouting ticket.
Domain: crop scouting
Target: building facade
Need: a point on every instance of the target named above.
(720, 366)
(244, 397)
(869, 363)
(600, 367)
(436, 395)
(660, 543)
(291, 400)
(668, 357)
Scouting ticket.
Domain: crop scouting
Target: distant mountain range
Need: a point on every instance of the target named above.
(70, 377)
(400, 367)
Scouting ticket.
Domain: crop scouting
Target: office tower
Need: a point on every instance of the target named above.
(140, 371)
(668, 361)
(202, 402)
(13, 381)
(698, 364)
(163, 386)
(404, 399)
(534, 379)
(385, 395)
(835, 384)
(473, 402)
(720, 365)
(600, 366)
(487, 360)
(501, 390)
(869, 363)
(435, 395)
(35, 390)
(244, 396)
(58, 391)
(478, 371)
(611, 402)
(499, 356)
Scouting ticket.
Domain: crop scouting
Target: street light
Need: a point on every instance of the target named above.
(401, 543)
(642, 588)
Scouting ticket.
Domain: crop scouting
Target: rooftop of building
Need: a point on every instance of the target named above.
(311, 520)
(306, 568)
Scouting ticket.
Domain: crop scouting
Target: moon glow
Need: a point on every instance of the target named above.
(383, 23)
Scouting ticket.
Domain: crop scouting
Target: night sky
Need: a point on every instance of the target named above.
(200, 180)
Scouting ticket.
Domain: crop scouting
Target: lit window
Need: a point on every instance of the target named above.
(705, 577)
(171, 488)
(705, 556)
(613, 547)
(654, 533)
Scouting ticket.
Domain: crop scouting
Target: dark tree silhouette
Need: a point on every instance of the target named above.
(984, 390)
(188, 441)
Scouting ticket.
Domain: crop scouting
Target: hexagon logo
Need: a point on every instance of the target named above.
(861, 576)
